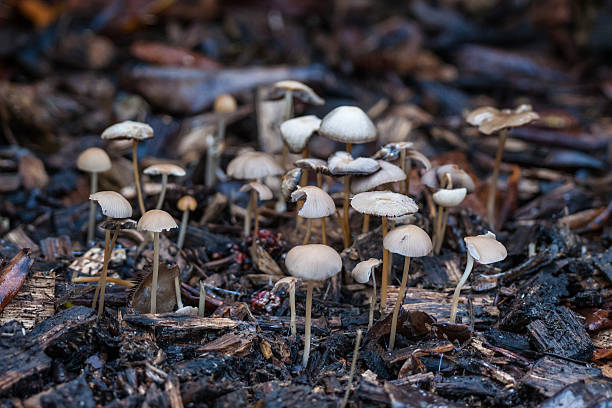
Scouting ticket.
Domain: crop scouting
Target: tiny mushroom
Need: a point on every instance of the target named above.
(257, 192)
(409, 241)
(312, 262)
(484, 249)
(225, 105)
(291, 281)
(134, 131)
(165, 169)
(185, 204)
(155, 221)
(361, 273)
(93, 160)
(318, 204)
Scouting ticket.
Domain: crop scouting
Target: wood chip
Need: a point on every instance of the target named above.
(550, 375)
(172, 321)
(34, 302)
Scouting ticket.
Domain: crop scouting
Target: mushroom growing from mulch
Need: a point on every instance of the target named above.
(361, 273)
(224, 106)
(317, 204)
(165, 169)
(93, 161)
(257, 191)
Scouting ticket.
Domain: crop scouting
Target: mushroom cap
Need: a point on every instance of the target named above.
(449, 197)
(263, 191)
(490, 120)
(253, 165)
(485, 249)
(165, 168)
(93, 160)
(348, 124)
(391, 151)
(318, 203)
(156, 221)
(287, 280)
(388, 173)
(316, 165)
(224, 104)
(363, 270)
(296, 132)
(187, 203)
(290, 182)
(408, 240)
(128, 130)
(113, 204)
(384, 204)
(433, 177)
(343, 164)
(314, 262)
(298, 90)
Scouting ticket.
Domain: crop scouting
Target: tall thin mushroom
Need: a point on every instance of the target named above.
(224, 106)
(165, 169)
(291, 282)
(361, 273)
(257, 191)
(317, 204)
(185, 204)
(93, 161)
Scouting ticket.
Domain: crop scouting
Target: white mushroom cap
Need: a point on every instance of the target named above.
(263, 192)
(364, 269)
(113, 204)
(348, 124)
(384, 204)
(460, 178)
(296, 132)
(449, 198)
(128, 130)
(313, 262)
(408, 240)
(253, 165)
(316, 165)
(164, 168)
(388, 173)
(156, 221)
(342, 164)
(299, 91)
(485, 249)
(318, 203)
(93, 160)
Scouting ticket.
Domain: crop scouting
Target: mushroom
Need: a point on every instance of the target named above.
(156, 221)
(361, 273)
(134, 131)
(165, 169)
(409, 241)
(318, 166)
(318, 204)
(296, 133)
(119, 210)
(258, 192)
(349, 125)
(202, 300)
(185, 204)
(490, 120)
(312, 262)
(290, 182)
(224, 105)
(93, 160)
(484, 249)
(291, 281)
(384, 204)
(404, 152)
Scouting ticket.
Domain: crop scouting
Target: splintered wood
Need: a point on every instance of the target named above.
(34, 302)
(91, 262)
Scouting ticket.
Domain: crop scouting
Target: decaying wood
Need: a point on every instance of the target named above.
(13, 275)
(21, 240)
(263, 261)
(549, 375)
(172, 321)
(56, 248)
(230, 343)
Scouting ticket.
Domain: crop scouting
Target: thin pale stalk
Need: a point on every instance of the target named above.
(366, 223)
(345, 212)
(92, 210)
(352, 372)
(137, 176)
(498, 157)
(286, 116)
(308, 230)
(292, 303)
(89, 279)
(466, 273)
(442, 231)
(304, 178)
(107, 256)
(162, 195)
(106, 247)
(213, 155)
(202, 301)
(181, 237)
(319, 180)
(155, 272)
(247, 217)
(372, 301)
(408, 171)
(384, 277)
(255, 208)
(398, 302)
(177, 291)
(323, 232)
(309, 288)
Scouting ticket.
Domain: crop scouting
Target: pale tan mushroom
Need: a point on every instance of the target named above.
(317, 204)
(224, 106)
(361, 273)
(257, 191)
(165, 169)
(93, 161)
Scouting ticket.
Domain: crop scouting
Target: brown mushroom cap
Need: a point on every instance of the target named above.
(253, 165)
(156, 221)
(388, 173)
(490, 120)
(343, 164)
(263, 192)
(348, 124)
(94, 160)
(165, 168)
(298, 90)
(364, 269)
(296, 132)
(128, 130)
(449, 197)
(384, 204)
(313, 262)
(225, 104)
(408, 240)
(113, 204)
(485, 249)
(318, 203)
(312, 164)
(187, 203)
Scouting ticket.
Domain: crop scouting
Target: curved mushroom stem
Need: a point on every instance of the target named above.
(97, 292)
(247, 217)
(398, 302)
(442, 216)
(309, 288)
(92, 209)
(202, 300)
(466, 273)
(137, 176)
(372, 301)
(384, 277)
(498, 156)
(102, 280)
(366, 223)
(213, 154)
(255, 208)
(177, 292)
(181, 237)
(292, 304)
(162, 195)
(155, 272)
(308, 230)
(442, 230)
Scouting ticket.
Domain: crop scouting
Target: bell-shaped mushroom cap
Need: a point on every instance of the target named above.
(298, 90)
(490, 120)
(224, 104)
(316, 165)
(253, 165)
(286, 281)
(343, 164)
(480, 115)
(296, 132)
(384, 204)
(263, 191)
(290, 181)
(128, 130)
(318, 203)
(187, 203)
(363, 270)
(485, 248)
(348, 124)
(164, 168)
(313, 262)
(113, 204)
(449, 197)
(93, 160)
(408, 240)
(388, 173)
(156, 221)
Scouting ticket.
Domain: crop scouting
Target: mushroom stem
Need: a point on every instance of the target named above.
(441, 217)
(254, 207)
(384, 277)
(309, 288)
(181, 237)
(155, 272)
(323, 232)
(162, 195)
(202, 300)
(304, 178)
(398, 302)
(137, 176)
(319, 180)
(286, 116)
(97, 292)
(212, 155)
(177, 291)
(92, 209)
(466, 273)
(366, 223)
(372, 301)
(442, 230)
(102, 281)
(292, 304)
(352, 372)
(308, 230)
(345, 212)
(247, 217)
(491, 199)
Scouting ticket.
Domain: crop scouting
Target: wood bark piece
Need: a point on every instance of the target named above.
(55, 248)
(263, 262)
(550, 375)
(230, 343)
(582, 394)
(413, 397)
(21, 240)
(172, 321)
(73, 394)
(13, 275)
